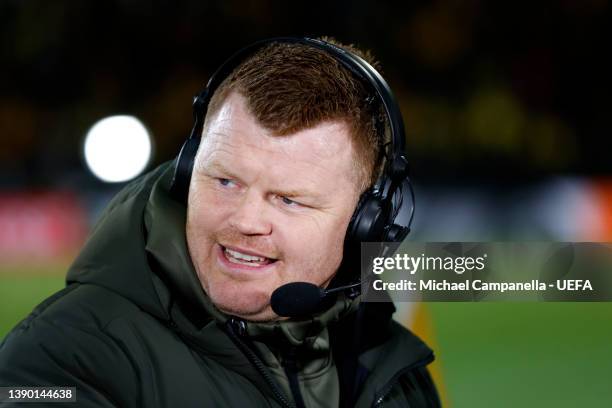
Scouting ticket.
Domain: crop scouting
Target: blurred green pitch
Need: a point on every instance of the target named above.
(490, 354)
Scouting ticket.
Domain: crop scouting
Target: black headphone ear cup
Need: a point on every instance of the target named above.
(368, 222)
(184, 167)
(396, 233)
(186, 157)
(402, 202)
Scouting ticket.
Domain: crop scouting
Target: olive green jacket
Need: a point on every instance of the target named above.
(133, 328)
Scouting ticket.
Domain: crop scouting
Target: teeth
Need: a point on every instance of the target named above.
(247, 259)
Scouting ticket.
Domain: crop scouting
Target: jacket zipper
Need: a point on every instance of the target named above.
(236, 328)
(384, 392)
(290, 365)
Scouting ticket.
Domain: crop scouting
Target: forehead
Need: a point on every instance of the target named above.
(233, 138)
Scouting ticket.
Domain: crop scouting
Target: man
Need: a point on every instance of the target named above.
(169, 305)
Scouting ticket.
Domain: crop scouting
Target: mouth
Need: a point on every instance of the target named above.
(244, 257)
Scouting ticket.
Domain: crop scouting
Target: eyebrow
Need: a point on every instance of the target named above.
(215, 165)
(296, 193)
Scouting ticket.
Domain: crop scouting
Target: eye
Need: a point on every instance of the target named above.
(289, 202)
(225, 182)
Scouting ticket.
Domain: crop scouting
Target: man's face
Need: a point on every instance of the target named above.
(267, 210)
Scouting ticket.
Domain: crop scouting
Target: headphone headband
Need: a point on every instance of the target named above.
(357, 65)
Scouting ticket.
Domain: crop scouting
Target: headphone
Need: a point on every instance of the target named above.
(382, 214)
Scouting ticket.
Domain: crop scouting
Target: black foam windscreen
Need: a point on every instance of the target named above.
(296, 299)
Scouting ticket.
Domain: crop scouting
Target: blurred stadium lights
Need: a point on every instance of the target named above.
(117, 148)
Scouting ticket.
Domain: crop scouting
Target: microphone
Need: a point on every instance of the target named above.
(300, 299)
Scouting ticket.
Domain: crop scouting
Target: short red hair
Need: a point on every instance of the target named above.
(289, 87)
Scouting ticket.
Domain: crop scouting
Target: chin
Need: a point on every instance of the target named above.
(265, 315)
(260, 315)
(255, 306)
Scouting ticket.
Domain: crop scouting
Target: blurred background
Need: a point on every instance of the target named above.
(506, 106)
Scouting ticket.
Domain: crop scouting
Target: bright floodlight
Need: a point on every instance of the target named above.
(117, 148)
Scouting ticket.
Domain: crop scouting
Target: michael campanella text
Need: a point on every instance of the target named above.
(477, 284)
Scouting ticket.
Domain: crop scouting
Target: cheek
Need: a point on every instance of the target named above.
(316, 247)
(203, 221)
(205, 213)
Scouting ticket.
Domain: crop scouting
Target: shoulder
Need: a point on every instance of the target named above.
(383, 333)
(64, 341)
(402, 336)
(84, 306)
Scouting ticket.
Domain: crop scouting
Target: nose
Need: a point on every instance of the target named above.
(250, 217)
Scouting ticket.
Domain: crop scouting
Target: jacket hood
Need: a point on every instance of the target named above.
(138, 249)
(114, 255)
